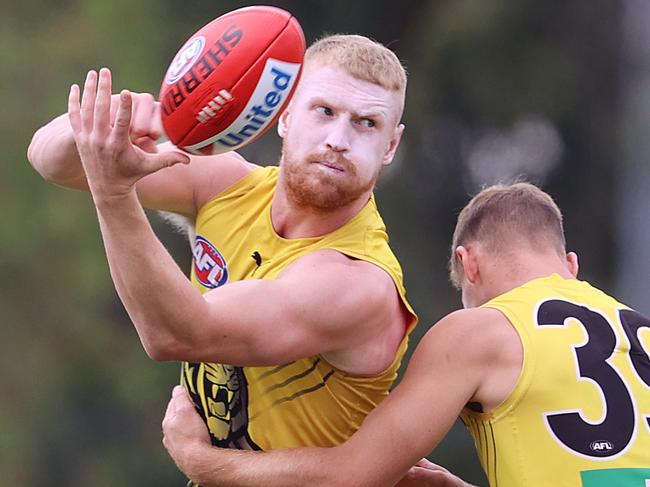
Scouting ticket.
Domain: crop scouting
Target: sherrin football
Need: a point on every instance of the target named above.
(231, 80)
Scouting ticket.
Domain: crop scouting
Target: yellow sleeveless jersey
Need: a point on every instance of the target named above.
(303, 403)
(580, 412)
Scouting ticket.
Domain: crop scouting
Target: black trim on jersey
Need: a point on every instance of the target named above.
(494, 449)
(480, 428)
(293, 378)
(274, 370)
(305, 391)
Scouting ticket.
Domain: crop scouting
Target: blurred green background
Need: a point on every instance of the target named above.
(557, 92)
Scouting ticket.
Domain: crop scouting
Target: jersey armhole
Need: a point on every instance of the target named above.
(522, 384)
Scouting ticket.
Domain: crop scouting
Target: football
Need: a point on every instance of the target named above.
(231, 80)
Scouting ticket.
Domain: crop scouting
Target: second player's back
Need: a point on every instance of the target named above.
(579, 412)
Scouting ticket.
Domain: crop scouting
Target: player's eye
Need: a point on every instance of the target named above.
(327, 111)
(367, 122)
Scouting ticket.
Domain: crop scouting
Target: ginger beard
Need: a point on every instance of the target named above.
(309, 184)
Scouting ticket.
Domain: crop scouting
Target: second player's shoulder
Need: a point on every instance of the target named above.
(476, 346)
(483, 332)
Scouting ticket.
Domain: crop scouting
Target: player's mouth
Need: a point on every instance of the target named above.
(333, 166)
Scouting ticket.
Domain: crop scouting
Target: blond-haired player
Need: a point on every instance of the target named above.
(550, 375)
(295, 319)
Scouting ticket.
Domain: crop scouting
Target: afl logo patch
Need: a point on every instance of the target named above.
(209, 265)
(601, 446)
(185, 59)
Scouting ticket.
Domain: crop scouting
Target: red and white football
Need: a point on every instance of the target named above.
(231, 80)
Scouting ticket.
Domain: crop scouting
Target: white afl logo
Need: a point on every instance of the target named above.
(185, 59)
(602, 445)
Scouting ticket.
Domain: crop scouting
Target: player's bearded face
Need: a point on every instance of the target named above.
(337, 135)
(323, 180)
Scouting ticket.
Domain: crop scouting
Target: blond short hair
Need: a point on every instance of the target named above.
(361, 57)
(508, 214)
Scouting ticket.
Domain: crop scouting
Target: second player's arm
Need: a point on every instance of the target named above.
(446, 371)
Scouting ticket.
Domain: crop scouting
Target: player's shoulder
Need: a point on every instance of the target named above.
(364, 285)
(336, 263)
(227, 161)
(488, 319)
(481, 331)
(210, 175)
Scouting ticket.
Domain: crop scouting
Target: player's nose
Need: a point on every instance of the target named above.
(338, 135)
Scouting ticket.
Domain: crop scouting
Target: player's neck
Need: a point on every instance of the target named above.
(529, 268)
(535, 265)
(524, 268)
(293, 221)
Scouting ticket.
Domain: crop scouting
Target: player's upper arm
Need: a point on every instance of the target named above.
(184, 188)
(324, 302)
(180, 188)
(341, 302)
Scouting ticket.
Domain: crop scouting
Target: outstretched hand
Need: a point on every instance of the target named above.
(111, 161)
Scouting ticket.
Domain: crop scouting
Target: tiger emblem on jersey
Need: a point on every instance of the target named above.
(223, 404)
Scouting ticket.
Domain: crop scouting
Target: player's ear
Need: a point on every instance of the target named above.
(572, 263)
(393, 144)
(283, 122)
(468, 262)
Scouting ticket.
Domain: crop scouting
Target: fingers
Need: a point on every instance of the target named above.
(74, 110)
(106, 148)
(146, 117)
(123, 118)
(425, 463)
(171, 409)
(146, 123)
(157, 130)
(93, 110)
(161, 160)
(182, 401)
(178, 403)
(103, 102)
(88, 101)
(146, 144)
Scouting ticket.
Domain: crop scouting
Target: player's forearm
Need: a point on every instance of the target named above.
(53, 154)
(316, 467)
(162, 303)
